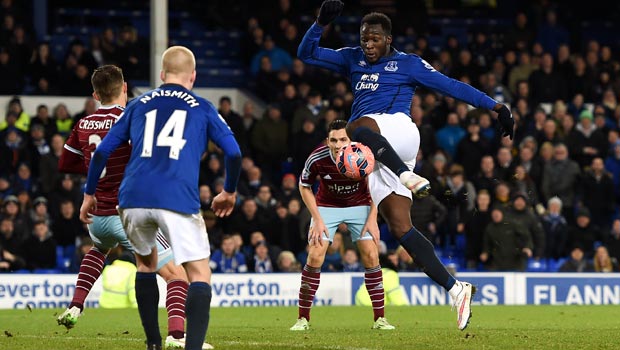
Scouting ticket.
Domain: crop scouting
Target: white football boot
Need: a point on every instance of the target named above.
(172, 343)
(383, 324)
(462, 294)
(70, 317)
(419, 186)
(301, 325)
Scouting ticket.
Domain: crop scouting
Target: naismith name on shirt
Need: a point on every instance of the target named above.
(183, 95)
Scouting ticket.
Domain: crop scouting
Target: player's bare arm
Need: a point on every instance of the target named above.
(318, 228)
(89, 203)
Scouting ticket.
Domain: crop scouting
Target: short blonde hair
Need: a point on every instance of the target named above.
(178, 60)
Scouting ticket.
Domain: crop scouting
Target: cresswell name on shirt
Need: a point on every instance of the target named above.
(344, 189)
(191, 101)
(96, 124)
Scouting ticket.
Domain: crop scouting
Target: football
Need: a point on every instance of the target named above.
(356, 161)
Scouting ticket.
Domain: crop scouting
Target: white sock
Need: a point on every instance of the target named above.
(404, 176)
(455, 290)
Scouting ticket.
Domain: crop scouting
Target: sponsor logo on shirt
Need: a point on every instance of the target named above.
(344, 189)
(368, 82)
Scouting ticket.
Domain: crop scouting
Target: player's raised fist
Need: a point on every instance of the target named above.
(330, 9)
(506, 122)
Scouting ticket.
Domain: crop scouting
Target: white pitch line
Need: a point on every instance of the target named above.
(224, 342)
(296, 345)
(75, 338)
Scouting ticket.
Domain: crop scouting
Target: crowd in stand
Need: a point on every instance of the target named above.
(28, 66)
(550, 195)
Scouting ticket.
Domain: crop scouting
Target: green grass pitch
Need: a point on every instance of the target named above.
(335, 328)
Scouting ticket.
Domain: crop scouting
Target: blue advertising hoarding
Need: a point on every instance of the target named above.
(578, 289)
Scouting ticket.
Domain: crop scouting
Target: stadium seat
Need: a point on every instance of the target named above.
(438, 251)
(435, 42)
(69, 251)
(62, 261)
(223, 63)
(554, 265)
(534, 265)
(460, 241)
(142, 25)
(60, 254)
(65, 265)
(450, 263)
(46, 271)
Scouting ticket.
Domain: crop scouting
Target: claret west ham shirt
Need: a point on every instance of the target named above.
(85, 137)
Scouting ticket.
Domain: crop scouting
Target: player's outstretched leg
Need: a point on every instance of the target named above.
(310, 279)
(90, 270)
(424, 256)
(385, 153)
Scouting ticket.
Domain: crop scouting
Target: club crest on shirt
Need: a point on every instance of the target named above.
(391, 66)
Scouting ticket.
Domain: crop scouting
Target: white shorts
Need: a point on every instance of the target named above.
(186, 233)
(107, 232)
(402, 133)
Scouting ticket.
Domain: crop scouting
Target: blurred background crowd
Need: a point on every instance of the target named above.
(546, 201)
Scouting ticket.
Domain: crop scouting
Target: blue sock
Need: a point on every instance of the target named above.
(423, 254)
(147, 295)
(197, 308)
(381, 148)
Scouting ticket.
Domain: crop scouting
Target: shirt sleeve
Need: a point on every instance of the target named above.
(72, 158)
(310, 52)
(220, 133)
(308, 174)
(424, 74)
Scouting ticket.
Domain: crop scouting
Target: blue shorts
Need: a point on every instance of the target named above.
(354, 217)
(107, 232)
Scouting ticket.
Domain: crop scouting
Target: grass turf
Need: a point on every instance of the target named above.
(337, 328)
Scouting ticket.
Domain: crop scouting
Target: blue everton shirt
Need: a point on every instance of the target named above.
(169, 128)
(387, 85)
